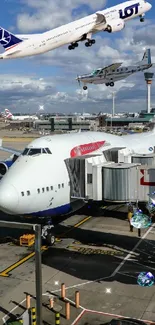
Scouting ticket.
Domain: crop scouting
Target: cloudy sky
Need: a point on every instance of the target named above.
(49, 79)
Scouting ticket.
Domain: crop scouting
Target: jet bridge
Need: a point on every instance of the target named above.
(128, 178)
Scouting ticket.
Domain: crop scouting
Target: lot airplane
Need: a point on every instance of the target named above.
(110, 20)
(115, 72)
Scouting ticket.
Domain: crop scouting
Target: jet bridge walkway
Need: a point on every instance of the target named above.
(116, 176)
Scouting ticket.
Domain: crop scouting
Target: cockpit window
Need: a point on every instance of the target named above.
(95, 72)
(25, 152)
(35, 151)
(46, 150)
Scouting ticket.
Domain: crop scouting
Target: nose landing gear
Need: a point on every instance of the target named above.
(47, 234)
(142, 18)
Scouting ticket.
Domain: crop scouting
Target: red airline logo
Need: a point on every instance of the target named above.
(84, 149)
(143, 182)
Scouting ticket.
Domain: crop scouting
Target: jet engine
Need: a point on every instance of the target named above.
(115, 26)
(5, 165)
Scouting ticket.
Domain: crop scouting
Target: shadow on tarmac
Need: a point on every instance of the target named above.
(92, 266)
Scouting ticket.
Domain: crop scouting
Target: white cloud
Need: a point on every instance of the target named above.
(48, 14)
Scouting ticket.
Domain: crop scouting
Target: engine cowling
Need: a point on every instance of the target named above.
(115, 26)
(4, 166)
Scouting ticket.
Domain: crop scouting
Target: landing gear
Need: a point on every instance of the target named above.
(142, 19)
(111, 84)
(47, 234)
(85, 87)
(90, 42)
(73, 46)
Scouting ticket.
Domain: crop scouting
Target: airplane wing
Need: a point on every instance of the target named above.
(9, 150)
(110, 67)
(90, 28)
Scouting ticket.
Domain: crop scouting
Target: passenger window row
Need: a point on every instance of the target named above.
(43, 189)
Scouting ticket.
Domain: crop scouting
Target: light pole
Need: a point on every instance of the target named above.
(113, 103)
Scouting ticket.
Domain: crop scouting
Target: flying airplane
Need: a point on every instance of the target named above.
(9, 116)
(114, 72)
(110, 20)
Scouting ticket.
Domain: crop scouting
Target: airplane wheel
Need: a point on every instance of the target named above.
(76, 44)
(93, 41)
(85, 87)
(142, 19)
(87, 44)
(71, 47)
(50, 239)
(107, 84)
(111, 84)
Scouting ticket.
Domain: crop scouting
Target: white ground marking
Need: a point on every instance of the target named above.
(132, 251)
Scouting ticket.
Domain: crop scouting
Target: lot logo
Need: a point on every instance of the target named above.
(129, 11)
(5, 37)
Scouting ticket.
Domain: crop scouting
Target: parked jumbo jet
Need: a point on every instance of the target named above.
(114, 72)
(38, 183)
(109, 20)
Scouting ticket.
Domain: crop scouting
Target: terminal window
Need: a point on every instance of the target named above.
(89, 178)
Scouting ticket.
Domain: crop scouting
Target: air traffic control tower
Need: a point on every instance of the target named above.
(148, 78)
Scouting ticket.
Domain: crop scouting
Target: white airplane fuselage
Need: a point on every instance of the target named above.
(38, 183)
(75, 31)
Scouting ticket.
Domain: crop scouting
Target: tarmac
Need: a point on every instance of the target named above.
(96, 256)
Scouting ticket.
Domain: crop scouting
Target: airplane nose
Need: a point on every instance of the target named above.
(149, 6)
(8, 199)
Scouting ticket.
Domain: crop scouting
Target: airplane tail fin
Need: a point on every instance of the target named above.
(8, 114)
(7, 39)
(146, 57)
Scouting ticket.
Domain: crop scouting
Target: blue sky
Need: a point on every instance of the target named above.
(50, 79)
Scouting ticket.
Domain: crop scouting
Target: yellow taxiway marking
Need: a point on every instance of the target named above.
(75, 226)
(6, 272)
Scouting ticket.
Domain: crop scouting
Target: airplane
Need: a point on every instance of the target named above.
(109, 20)
(114, 72)
(9, 116)
(36, 181)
